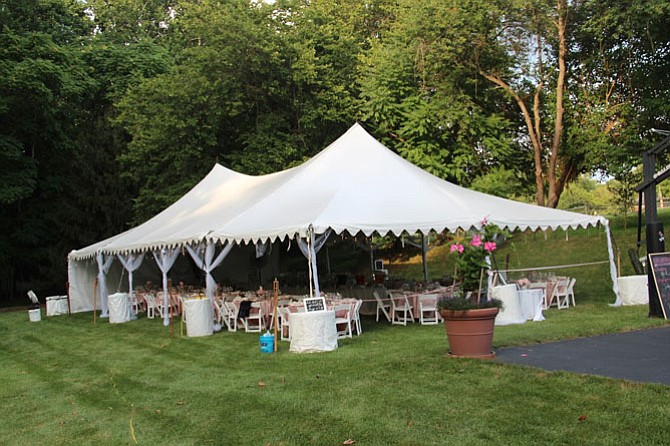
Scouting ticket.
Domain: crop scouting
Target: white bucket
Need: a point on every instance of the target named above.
(35, 315)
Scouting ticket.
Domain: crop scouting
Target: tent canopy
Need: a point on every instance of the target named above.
(356, 185)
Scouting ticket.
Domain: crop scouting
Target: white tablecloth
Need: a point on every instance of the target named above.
(119, 310)
(511, 310)
(633, 290)
(199, 317)
(56, 305)
(531, 302)
(313, 332)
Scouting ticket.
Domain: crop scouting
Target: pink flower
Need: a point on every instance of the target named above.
(484, 221)
(490, 246)
(457, 247)
(476, 241)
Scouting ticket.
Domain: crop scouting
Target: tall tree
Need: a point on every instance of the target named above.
(258, 87)
(41, 85)
(100, 200)
(433, 109)
(618, 77)
(529, 37)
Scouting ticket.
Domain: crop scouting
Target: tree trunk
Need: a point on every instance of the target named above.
(557, 172)
(557, 184)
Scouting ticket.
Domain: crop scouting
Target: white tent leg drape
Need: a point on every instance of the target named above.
(103, 269)
(613, 273)
(207, 263)
(262, 248)
(309, 248)
(165, 259)
(131, 263)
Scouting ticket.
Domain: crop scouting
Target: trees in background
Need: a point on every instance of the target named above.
(619, 82)
(42, 82)
(109, 111)
(419, 99)
(257, 88)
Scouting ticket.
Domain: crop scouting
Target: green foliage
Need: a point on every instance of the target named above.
(473, 250)
(42, 81)
(462, 303)
(587, 196)
(623, 190)
(126, 22)
(502, 182)
(424, 103)
(18, 178)
(254, 88)
(619, 80)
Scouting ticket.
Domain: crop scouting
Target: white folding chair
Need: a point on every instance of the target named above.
(428, 312)
(384, 307)
(254, 322)
(568, 296)
(284, 323)
(401, 310)
(230, 315)
(559, 293)
(151, 305)
(356, 316)
(221, 311)
(343, 320)
(159, 304)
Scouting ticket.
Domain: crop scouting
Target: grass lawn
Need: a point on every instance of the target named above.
(67, 381)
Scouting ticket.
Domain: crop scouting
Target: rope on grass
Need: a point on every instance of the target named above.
(132, 407)
(539, 268)
(132, 428)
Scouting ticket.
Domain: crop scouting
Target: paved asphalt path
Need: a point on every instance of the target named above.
(642, 356)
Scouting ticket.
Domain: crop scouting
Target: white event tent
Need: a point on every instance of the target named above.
(356, 185)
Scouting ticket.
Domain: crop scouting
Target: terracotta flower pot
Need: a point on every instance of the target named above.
(470, 333)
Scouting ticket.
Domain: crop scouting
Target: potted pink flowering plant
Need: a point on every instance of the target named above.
(469, 321)
(472, 253)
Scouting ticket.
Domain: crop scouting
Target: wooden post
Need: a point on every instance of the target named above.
(275, 290)
(169, 308)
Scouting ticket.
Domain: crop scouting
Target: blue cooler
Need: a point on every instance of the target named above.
(267, 343)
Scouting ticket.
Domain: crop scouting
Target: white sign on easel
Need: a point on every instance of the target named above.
(313, 304)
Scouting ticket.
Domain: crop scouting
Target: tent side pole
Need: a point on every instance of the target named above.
(424, 259)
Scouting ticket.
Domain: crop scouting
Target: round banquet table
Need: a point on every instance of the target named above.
(198, 317)
(633, 290)
(531, 302)
(313, 332)
(119, 308)
(510, 313)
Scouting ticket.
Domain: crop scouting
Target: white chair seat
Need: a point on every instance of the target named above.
(428, 312)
